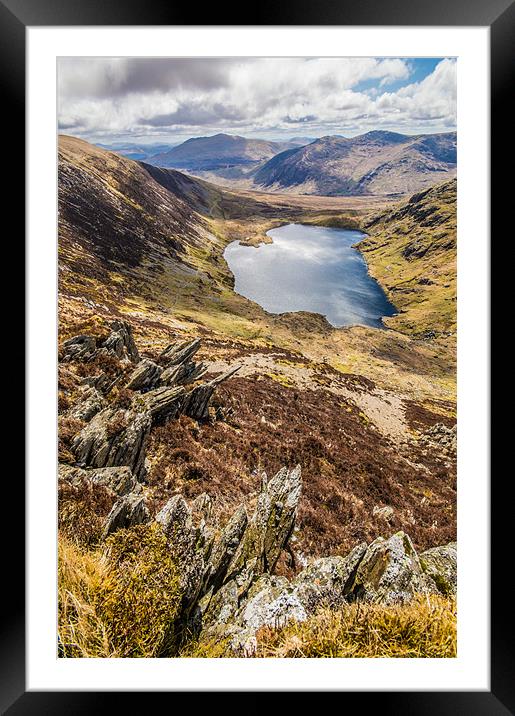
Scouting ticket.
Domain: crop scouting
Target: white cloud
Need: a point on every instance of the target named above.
(275, 96)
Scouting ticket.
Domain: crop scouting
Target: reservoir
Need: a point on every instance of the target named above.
(310, 268)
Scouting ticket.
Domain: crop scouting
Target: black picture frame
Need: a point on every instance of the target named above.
(15, 17)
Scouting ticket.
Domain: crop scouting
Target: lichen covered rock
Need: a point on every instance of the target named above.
(441, 565)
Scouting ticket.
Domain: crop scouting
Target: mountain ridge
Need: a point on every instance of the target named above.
(377, 162)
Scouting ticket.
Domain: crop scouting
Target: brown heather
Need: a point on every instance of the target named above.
(348, 467)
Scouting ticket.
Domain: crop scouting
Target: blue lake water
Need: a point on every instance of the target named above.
(310, 268)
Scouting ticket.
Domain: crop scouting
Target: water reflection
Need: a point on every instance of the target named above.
(310, 268)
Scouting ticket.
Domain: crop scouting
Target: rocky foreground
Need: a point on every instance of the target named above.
(228, 581)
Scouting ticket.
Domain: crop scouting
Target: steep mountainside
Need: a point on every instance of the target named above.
(373, 163)
(222, 151)
(411, 250)
(116, 224)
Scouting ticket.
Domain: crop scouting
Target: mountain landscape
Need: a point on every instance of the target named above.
(368, 414)
(256, 360)
(223, 154)
(137, 151)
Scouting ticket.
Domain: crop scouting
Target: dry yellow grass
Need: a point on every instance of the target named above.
(424, 628)
(118, 601)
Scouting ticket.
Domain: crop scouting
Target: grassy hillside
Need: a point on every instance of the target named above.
(411, 251)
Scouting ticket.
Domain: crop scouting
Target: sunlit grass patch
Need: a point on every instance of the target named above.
(424, 628)
(120, 600)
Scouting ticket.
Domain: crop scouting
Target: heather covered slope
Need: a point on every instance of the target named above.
(117, 227)
(377, 162)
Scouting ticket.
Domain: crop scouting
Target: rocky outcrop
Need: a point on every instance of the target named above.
(227, 575)
(145, 376)
(269, 529)
(89, 404)
(119, 343)
(196, 402)
(115, 436)
(78, 348)
(227, 580)
(120, 480)
(180, 352)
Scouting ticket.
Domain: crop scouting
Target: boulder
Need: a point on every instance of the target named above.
(272, 601)
(441, 565)
(390, 572)
(327, 581)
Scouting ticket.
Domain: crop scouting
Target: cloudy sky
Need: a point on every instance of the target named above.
(172, 99)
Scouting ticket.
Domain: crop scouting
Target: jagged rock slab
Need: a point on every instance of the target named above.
(121, 342)
(183, 373)
(96, 446)
(196, 402)
(145, 376)
(269, 529)
(181, 352)
(89, 404)
(78, 348)
(129, 511)
(224, 548)
(162, 403)
(177, 523)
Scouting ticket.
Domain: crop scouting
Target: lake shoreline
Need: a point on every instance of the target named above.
(314, 269)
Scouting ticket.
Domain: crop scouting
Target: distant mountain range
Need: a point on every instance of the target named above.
(373, 163)
(220, 152)
(377, 163)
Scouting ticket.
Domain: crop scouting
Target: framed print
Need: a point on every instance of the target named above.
(258, 354)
